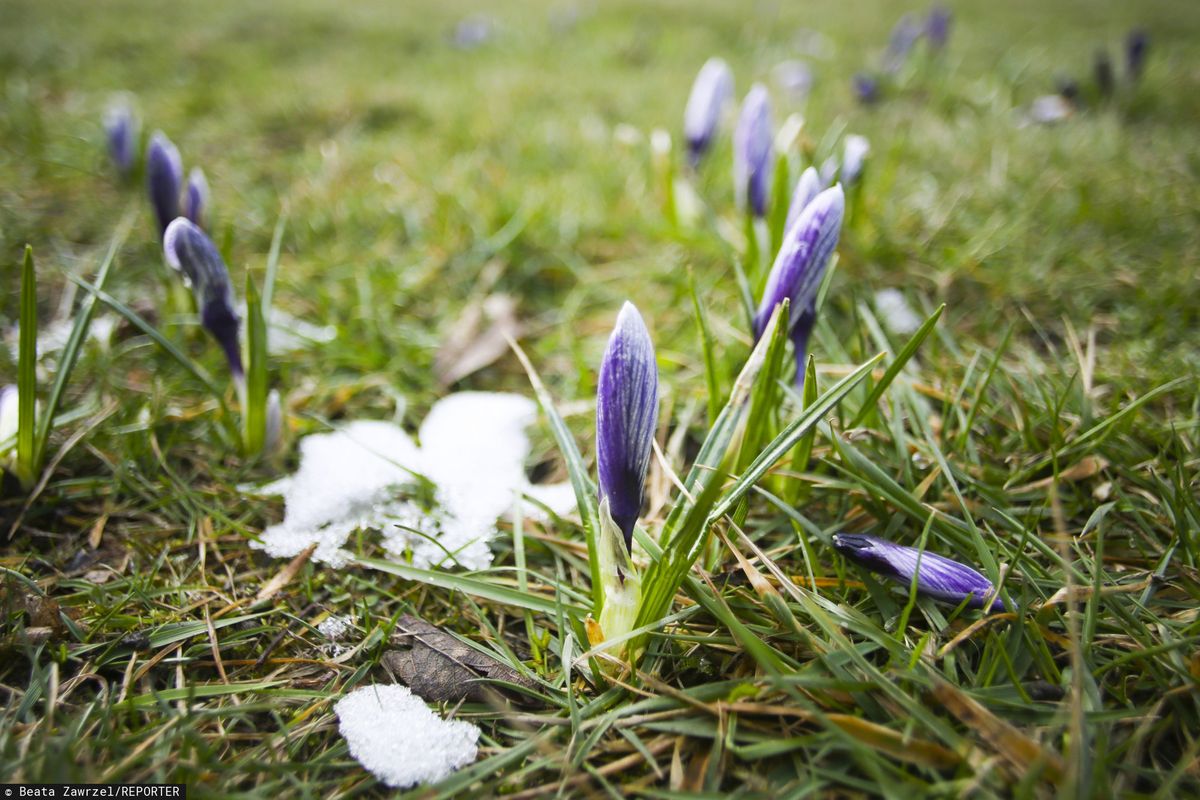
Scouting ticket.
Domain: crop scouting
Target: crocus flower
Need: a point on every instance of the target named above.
(121, 128)
(626, 415)
(164, 179)
(1136, 44)
(753, 160)
(866, 88)
(937, 27)
(190, 251)
(807, 188)
(904, 35)
(195, 200)
(808, 244)
(1106, 80)
(274, 424)
(711, 91)
(794, 77)
(937, 576)
(8, 422)
(854, 156)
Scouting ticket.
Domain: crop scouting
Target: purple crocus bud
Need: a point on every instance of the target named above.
(854, 157)
(711, 91)
(1136, 44)
(121, 129)
(937, 27)
(753, 159)
(190, 251)
(866, 88)
(807, 247)
(904, 35)
(626, 416)
(164, 179)
(807, 188)
(195, 201)
(937, 576)
(1106, 79)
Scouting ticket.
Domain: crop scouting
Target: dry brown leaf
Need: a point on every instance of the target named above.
(439, 667)
(1087, 467)
(477, 338)
(284, 576)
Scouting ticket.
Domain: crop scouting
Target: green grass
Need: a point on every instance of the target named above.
(1046, 430)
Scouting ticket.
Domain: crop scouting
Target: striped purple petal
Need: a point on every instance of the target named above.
(626, 416)
(712, 89)
(807, 247)
(753, 159)
(807, 189)
(937, 576)
(164, 179)
(190, 251)
(196, 197)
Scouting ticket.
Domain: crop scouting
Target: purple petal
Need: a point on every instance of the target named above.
(753, 157)
(164, 179)
(712, 89)
(196, 197)
(626, 416)
(904, 35)
(190, 251)
(937, 576)
(120, 126)
(807, 247)
(807, 188)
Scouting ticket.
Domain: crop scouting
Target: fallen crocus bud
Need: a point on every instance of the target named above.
(192, 253)
(937, 576)
(711, 91)
(753, 159)
(164, 179)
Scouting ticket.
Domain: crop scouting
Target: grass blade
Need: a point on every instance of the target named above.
(27, 466)
(254, 415)
(897, 364)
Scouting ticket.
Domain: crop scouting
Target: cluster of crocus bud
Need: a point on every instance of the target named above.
(936, 576)
(711, 92)
(808, 245)
(189, 251)
(164, 181)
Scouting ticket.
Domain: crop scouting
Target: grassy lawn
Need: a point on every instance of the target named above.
(1046, 431)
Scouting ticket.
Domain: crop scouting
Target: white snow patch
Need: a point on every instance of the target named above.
(473, 450)
(335, 628)
(897, 314)
(392, 733)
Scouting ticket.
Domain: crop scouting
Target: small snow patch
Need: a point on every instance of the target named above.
(335, 628)
(393, 734)
(366, 476)
(895, 311)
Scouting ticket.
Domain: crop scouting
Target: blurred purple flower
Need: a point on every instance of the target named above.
(626, 416)
(164, 179)
(196, 196)
(121, 129)
(753, 159)
(192, 253)
(866, 88)
(711, 91)
(807, 188)
(473, 32)
(904, 35)
(937, 27)
(1136, 44)
(937, 576)
(808, 244)
(794, 77)
(854, 158)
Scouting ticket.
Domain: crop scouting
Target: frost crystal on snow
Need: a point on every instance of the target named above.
(897, 314)
(393, 734)
(365, 476)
